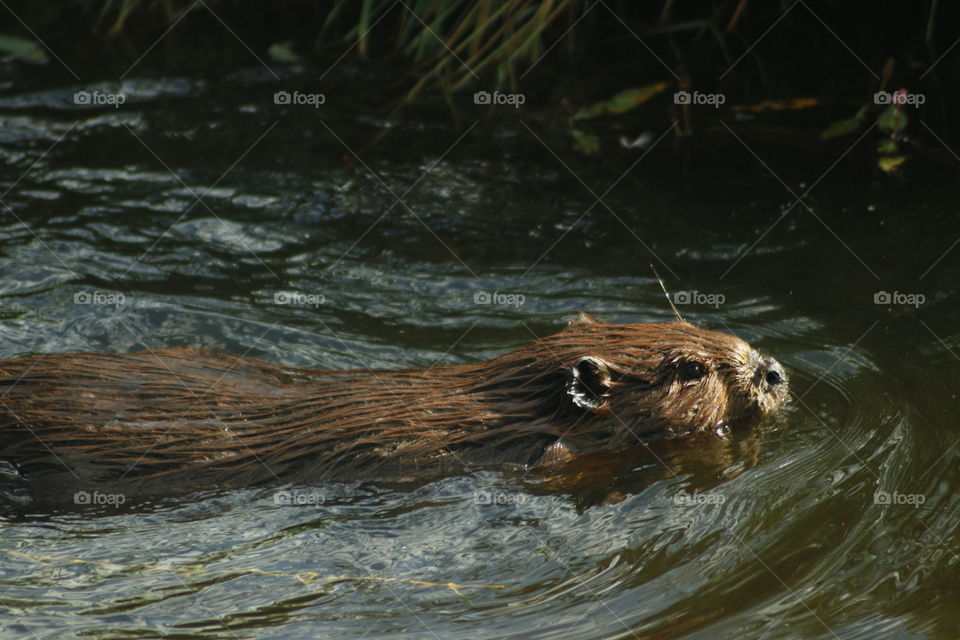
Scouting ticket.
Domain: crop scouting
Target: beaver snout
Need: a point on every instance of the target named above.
(770, 383)
(772, 373)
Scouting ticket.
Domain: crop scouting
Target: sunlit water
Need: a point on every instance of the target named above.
(202, 214)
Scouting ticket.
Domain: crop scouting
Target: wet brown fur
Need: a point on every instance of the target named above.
(207, 419)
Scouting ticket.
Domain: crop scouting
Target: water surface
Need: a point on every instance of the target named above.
(197, 211)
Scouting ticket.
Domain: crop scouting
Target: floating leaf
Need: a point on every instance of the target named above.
(889, 164)
(792, 104)
(842, 127)
(585, 143)
(887, 145)
(893, 119)
(623, 101)
(283, 52)
(23, 49)
(642, 141)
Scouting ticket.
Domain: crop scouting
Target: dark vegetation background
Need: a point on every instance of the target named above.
(564, 55)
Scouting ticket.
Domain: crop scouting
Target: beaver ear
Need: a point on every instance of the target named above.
(589, 383)
(582, 319)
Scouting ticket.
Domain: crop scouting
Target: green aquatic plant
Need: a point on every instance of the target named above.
(451, 42)
(23, 49)
(117, 12)
(889, 113)
(448, 42)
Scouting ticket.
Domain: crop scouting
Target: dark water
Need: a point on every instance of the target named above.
(203, 204)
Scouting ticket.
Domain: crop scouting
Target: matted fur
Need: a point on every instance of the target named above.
(201, 418)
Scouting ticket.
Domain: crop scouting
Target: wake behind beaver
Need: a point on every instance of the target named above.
(198, 419)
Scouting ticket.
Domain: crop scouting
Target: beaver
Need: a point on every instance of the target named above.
(185, 417)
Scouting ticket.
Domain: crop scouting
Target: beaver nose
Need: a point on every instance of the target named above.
(773, 374)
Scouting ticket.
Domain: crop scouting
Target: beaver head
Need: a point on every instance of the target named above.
(625, 382)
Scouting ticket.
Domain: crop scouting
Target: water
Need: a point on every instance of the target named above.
(203, 205)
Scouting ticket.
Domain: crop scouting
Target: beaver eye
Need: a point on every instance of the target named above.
(692, 370)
